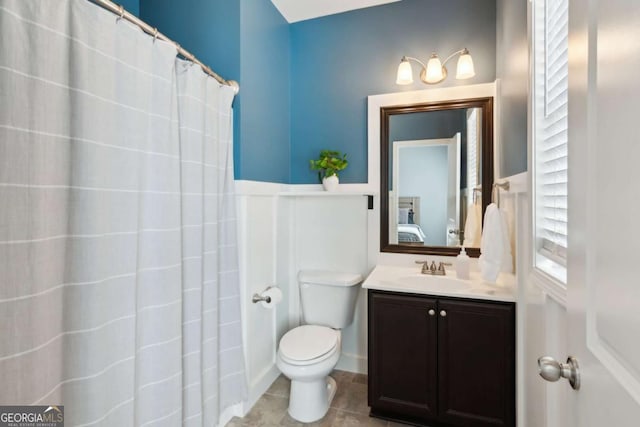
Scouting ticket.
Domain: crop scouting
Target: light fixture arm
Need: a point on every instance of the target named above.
(411, 58)
(460, 52)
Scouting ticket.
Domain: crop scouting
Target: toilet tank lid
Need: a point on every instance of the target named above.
(326, 277)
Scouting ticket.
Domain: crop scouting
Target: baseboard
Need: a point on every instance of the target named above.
(352, 363)
(230, 412)
(259, 387)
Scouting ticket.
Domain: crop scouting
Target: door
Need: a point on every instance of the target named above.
(603, 298)
(476, 363)
(420, 172)
(402, 355)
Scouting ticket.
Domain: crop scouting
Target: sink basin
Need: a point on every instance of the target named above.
(435, 283)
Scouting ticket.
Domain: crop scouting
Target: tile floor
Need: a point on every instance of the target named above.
(348, 408)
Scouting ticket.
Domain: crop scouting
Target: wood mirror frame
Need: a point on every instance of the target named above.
(486, 104)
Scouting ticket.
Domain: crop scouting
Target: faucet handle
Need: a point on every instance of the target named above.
(442, 264)
(425, 266)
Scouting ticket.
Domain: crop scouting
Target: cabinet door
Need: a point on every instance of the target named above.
(476, 357)
(402, 356)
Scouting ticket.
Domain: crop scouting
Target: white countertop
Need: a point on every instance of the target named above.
(410, 280)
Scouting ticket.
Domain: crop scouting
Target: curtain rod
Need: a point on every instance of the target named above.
(123, 14)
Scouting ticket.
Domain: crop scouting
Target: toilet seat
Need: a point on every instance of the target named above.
(308, 344)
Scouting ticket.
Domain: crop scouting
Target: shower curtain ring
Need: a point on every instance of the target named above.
(155, 34)
(121, 10)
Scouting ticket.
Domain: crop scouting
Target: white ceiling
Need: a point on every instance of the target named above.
(299, 10)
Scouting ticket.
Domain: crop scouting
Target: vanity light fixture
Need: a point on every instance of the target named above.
(435, 71)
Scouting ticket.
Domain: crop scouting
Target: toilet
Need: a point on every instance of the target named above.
(308, 353)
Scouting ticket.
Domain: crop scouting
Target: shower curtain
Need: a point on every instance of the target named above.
(119, 293)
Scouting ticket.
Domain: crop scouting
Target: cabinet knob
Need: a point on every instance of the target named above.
(443, 313)
(432, 312)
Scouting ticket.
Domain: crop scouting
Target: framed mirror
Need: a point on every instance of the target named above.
(436, 175)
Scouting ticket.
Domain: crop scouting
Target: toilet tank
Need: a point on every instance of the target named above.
(328, 297)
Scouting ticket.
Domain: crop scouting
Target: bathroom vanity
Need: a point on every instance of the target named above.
(441, 350)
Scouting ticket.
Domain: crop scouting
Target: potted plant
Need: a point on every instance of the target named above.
(328, 165)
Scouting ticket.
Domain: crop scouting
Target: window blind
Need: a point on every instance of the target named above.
(472, 151)
(551, 69)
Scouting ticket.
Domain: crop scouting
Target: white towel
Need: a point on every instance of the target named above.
(495, 248)
(473, 226)
(403, 215)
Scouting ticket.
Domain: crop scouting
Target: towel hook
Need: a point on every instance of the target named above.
(495, 193)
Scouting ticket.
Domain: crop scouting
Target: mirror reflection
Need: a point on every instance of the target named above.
(436, 160)
(436, 170)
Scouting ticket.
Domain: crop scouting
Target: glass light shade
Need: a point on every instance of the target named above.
(405, 73)
(434, 72)
(465, 68)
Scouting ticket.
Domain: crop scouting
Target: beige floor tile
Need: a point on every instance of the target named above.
(359, 378)
(326, 421)
(348, 408)
(268, 411)
(350, 419)
(342, 376)
(234, 422)
(280, 387)
(351, 397)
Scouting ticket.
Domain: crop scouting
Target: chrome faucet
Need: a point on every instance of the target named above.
(432, 269)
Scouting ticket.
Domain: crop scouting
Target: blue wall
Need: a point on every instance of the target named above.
(264, 89)
(427, 125)
(247, 41)
(304, 87)
(210, 29)
(512, 68)
(339, 60)
(132, 6)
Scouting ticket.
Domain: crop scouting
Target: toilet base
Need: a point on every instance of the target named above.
(309, 400)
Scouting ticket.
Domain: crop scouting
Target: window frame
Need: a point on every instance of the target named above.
(549, 258)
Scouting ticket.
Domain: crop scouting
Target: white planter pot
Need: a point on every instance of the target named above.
(330, 183)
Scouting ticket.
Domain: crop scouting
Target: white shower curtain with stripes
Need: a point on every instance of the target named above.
(119, 289)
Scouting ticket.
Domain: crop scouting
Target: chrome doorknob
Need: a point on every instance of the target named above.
(432, 312)
(552, 370)
(443, 313)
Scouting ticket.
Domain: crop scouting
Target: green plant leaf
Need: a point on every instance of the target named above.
(329, 163)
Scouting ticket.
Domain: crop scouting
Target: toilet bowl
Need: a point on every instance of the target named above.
(307, 354)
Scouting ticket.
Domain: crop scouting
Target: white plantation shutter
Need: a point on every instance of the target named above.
(472, 150)
(550, 134)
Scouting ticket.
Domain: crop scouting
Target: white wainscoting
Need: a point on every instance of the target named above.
(282, 230)
(257, 214)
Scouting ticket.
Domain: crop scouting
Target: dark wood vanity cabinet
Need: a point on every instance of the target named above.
(440, 361)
